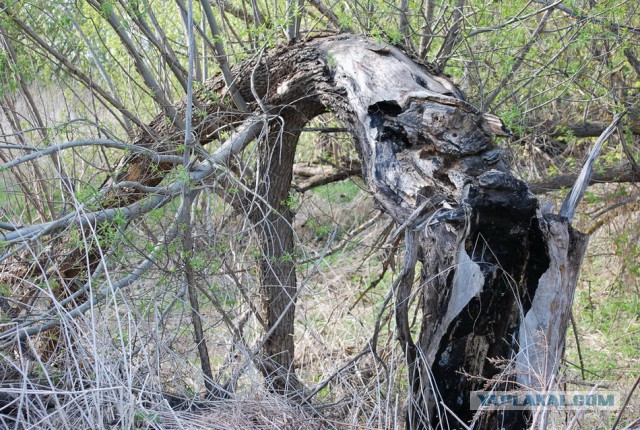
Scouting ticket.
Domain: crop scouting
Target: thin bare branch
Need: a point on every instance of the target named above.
(519, 59)
(580, 17)
(221, 56)
(107, 143)
(157, 92)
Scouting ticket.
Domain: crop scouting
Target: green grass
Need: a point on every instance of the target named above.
(608, 324)
(339, 192)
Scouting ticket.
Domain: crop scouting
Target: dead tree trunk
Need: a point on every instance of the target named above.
(498, 275)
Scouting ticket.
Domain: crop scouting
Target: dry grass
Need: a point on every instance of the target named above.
(119, 358)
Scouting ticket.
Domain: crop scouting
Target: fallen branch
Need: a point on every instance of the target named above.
(107, 143)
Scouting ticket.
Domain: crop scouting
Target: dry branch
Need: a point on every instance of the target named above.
(624, 174)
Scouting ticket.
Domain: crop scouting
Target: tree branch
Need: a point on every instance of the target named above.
(107, 143)
(216, 161)
(611, 175)
(221, 56)
(633, 60)
(157, 92)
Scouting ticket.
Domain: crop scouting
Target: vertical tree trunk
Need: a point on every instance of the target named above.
(498, 317)
(278, 289)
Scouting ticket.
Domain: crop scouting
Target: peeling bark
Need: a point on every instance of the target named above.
(491, 281)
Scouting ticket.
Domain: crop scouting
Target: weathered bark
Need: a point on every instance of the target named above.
(277, 264)
(289, 94)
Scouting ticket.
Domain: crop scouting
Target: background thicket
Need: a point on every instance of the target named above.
(152, 289)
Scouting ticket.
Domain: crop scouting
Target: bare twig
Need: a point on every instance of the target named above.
(107, 143)
(326, 12)
(74, 71)
(157, 92)
(519, 59)
(574, 326)
(580, 17)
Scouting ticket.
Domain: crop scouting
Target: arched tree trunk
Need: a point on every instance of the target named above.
(497, 275)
